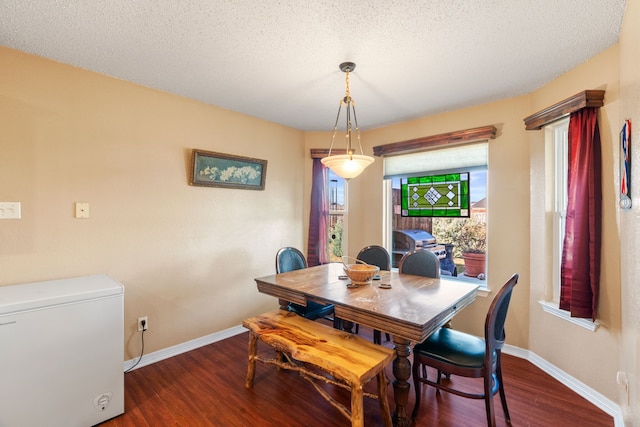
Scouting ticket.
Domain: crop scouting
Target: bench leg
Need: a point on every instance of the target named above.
(385, 412)
(251, 370)
(357, 406)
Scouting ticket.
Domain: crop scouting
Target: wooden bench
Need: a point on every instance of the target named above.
(350, 361)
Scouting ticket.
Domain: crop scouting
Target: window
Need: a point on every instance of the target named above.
(559, 136)
(337, 212)
(452, 235)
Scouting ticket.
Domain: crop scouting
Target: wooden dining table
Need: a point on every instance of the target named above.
(410, 310)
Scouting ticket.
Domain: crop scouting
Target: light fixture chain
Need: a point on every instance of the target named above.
(335, 127)
(355, 119)
(347, 94)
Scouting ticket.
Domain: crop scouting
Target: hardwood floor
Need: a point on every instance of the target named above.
(205, 387)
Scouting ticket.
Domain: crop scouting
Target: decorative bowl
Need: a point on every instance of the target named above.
(358, 271)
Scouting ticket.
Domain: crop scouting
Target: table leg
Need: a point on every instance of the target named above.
(347, 326)
(401, 387)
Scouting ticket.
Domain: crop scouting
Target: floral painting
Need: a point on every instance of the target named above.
(211, 169)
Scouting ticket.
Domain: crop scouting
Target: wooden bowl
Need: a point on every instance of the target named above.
(360, 272)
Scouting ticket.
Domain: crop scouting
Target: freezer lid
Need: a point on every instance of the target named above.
(28, 296)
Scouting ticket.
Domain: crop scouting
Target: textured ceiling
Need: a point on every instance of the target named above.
(278, 59)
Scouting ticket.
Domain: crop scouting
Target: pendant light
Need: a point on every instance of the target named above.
(348, 165)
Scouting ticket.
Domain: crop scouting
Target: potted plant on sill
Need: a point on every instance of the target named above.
(473, 245)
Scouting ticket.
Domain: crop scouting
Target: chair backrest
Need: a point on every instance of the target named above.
(496, 316)
(375, 255)
(289, 259)
(420, 263)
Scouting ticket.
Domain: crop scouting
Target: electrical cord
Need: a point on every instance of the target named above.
(141, 351)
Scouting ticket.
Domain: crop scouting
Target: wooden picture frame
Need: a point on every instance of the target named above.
(211, 169)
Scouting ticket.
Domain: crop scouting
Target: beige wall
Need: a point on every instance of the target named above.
(629, 220)
(187, 256)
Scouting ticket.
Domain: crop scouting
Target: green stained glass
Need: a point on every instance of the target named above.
(445, 195)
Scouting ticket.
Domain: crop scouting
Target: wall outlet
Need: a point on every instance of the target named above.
(143, 323)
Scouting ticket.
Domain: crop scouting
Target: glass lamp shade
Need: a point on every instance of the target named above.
(347, 166)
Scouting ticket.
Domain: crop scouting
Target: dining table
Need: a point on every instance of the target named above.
(409, 308)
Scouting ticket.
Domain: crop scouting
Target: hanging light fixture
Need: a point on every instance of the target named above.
(348, 165)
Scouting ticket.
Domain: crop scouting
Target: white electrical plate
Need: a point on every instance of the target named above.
(9, 210)
(82, 210)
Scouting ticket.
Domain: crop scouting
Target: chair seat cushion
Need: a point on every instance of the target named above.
(453, 347)
(312, 310)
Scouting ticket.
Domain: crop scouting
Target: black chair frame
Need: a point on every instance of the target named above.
(312, 310)
(378, 256)
(490, 369)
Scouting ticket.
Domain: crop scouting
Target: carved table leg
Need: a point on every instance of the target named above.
(347, 326)
(401, 372)
(284, 304)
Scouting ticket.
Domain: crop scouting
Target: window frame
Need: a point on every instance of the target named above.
(558, 134)
(337, 212)
(388, 218)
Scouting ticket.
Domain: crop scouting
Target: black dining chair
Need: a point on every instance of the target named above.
(375, 255)
(378, 256)
(420, 263)
(466, 355)
(290, 259)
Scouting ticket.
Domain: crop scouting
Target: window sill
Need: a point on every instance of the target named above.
(483, 290)
(553, 309)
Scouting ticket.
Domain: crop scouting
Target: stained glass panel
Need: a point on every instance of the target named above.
(445, 195)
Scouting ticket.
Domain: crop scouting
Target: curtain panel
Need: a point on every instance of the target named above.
(317, 249)
(580, 269)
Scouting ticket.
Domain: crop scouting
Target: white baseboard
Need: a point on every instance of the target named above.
(595, 398)
(166, 353)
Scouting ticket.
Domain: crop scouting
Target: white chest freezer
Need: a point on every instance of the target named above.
(61, 352)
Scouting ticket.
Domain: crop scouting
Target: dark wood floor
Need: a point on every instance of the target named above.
(205, 387)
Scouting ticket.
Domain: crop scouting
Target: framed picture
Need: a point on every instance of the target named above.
(211, 169)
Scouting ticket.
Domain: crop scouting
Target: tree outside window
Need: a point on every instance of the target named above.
(337, 211)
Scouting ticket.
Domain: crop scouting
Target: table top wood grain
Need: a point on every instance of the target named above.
(412, 308)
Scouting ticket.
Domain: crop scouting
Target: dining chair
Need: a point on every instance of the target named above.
(420, 263)
(290, 259)
(459, 353)
(378, 256)
(375, 255)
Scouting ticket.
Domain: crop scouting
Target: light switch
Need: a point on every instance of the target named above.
(9, 210)
(82, 210)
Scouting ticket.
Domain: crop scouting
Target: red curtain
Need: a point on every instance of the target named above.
(580, 270)
(317, 250)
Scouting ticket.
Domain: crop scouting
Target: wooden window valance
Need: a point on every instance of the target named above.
(319, 153)
(440, 141)
(587, 98)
